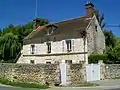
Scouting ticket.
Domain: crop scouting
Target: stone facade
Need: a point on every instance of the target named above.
(95, 37)
(94, 43)
(58, 52)
(42, 73)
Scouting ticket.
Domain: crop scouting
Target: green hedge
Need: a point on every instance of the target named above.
(94, 58)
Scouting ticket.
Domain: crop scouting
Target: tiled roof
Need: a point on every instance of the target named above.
(65, 28)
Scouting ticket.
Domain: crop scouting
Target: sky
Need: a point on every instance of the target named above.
(18, 12)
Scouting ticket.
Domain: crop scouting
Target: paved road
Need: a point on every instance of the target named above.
(104, 85)
(63, 88)
(13, 88)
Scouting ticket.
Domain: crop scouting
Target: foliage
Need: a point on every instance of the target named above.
(100, 18)
(109, 38)
(19, 84)
(113, 54)
(9, 46)
(94, 58)
(110, 56)
(11, 40)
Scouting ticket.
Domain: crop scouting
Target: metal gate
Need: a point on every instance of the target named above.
(93, 72)
(63, 72)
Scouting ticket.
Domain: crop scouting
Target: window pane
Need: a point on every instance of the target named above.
(48, 62)
(68, 61)
(32, 62)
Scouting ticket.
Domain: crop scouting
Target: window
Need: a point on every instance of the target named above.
(49, 47)
(54, 39)
(68, 61)
(32, 62)
(68, 42)
(32, 49)
(50, 31)
(48, 62)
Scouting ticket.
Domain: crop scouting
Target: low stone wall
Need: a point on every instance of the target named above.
(76, 74)
(112, 71)
(41, 73)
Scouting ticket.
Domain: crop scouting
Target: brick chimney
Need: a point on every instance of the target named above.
(89, 9)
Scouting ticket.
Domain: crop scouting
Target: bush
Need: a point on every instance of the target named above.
(94, 58)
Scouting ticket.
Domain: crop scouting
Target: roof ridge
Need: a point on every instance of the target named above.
(68, 19)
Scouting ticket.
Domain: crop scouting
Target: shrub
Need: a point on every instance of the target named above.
(94, 58)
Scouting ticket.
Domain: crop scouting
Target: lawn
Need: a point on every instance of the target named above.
(24, 85)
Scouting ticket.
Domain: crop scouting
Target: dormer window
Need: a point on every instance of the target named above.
(51, 29)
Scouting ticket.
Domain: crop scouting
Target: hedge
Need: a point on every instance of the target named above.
(94, 58)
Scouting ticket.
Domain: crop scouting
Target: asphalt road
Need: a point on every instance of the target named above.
(104, 85)
(63, 88)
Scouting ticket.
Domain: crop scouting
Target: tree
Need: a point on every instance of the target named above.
(9, 46)
(109, 38)
(100, 18)
(113, 55)
(11, 39)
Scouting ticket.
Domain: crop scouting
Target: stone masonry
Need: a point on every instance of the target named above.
(41, 73)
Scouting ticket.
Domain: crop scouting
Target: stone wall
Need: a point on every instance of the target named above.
(112, 71)
(42, 73)
(31, 73)
(76, 74)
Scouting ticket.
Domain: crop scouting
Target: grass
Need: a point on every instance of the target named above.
(25, 85)
(85, 84)
(116, 78)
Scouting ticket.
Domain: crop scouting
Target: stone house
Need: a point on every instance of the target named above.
(69, 41)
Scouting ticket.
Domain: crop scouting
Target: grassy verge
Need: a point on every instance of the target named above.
(116, 78)
(85, 84)
(25, 85)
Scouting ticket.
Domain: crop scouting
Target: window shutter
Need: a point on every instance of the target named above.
(73, 45)
(63, 46)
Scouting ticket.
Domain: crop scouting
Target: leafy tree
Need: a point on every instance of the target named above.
(109, 38)
(11, 39)
(100, 18)
(113, 55)
(9, 46)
